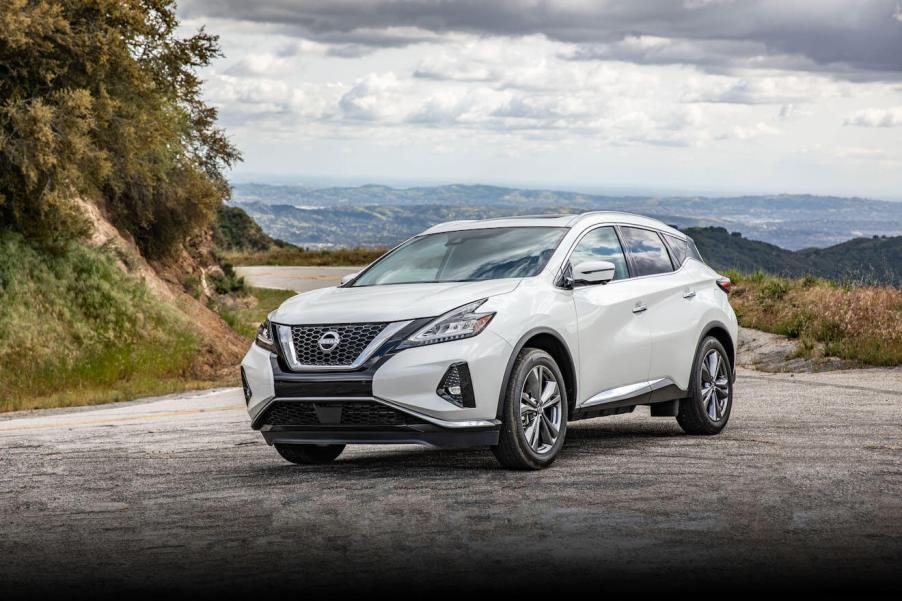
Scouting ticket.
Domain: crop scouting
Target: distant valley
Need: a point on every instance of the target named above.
(383, 216)
(861, 260)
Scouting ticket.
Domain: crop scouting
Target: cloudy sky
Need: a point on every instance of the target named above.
(682, 96)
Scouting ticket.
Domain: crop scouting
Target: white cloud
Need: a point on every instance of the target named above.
(890, 117)
(762, 89)
(739, 132)
(463, 106)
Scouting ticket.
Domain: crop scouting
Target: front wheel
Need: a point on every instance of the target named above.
(534, 414)
(707, 409)
(309, 454)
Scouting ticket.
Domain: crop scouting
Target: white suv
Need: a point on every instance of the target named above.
(497, 333)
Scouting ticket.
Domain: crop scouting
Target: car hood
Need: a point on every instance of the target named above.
(395, 302)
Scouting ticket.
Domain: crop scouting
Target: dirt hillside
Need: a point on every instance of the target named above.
(221, 348)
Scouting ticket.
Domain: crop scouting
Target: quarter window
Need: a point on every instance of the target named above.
(647, 251)
(679, 249)
(682, 249)
(601, 244)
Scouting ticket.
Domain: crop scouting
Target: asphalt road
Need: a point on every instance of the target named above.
(803, 488)
(301, 279)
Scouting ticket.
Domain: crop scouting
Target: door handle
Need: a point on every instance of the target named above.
(640, 307)
(689, 293)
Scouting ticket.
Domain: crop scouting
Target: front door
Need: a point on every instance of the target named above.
(614, 339)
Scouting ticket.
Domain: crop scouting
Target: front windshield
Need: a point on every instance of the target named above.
(466, 256)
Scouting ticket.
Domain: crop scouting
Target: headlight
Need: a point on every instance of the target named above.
(463, 322)
(264, 336)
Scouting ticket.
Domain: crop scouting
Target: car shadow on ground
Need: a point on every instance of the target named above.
(582, 438)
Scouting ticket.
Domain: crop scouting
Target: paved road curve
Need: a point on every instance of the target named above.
(302, 279)
(804, 486)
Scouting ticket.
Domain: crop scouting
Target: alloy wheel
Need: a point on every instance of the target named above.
(715, 390)
(540, 409)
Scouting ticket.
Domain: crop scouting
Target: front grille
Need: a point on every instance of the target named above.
(353, 338)
(335, 413)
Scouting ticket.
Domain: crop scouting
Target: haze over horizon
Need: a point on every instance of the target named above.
(709, 97)
(315, 182)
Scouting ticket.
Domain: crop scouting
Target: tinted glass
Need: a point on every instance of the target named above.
(601, 244)
(693, 252)
(466, 256)
(647, 251)
(679, 249)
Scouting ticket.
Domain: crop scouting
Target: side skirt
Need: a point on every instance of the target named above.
(661, 395)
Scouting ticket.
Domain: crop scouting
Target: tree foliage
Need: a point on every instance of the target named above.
(101, 98)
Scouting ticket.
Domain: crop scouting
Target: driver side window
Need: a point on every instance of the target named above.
(601, 244)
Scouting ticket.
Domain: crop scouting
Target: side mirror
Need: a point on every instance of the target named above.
(347, 278)
(593, 272)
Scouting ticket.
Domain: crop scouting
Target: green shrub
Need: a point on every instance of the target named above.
(73, 326)
(101, 99)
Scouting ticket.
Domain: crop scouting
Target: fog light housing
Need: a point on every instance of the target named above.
(246, 388)
(456, 386)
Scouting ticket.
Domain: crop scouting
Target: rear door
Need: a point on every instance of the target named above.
(614, 341)
(671, 314)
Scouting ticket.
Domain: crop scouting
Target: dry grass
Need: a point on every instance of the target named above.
(856, 323)
(293, 255)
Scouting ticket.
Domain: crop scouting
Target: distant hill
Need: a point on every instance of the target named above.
(381, 215)
(861, 260)
(235, 230)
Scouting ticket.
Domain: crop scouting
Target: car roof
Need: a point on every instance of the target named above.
(579, 220)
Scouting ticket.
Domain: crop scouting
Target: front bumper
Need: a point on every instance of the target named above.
(404, 382)
(429, 435)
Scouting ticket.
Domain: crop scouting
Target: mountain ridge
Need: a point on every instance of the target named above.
(378, 215)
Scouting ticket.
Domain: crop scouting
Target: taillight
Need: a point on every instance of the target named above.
(724, 284)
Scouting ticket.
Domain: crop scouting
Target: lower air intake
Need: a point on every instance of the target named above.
(456, 386)
(336, 413)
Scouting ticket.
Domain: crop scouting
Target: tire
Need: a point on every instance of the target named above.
(514, 449)
(707, 409)
(309, 454)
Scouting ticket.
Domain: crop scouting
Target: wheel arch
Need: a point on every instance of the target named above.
(719, 331)
(552, 343)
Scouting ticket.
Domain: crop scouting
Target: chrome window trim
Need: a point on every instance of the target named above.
(663, 244)
(616, 225)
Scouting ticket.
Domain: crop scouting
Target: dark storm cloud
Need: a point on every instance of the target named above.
(856, 39)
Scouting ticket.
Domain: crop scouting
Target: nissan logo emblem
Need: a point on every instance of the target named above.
(328, 341)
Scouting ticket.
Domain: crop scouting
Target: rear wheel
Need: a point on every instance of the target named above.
(534, 414)
(309, 454)
(707, 410)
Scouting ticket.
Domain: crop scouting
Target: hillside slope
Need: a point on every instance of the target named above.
(861, 260)
(95, 322)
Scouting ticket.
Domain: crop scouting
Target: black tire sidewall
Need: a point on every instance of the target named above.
(530, 358)
(707, 345)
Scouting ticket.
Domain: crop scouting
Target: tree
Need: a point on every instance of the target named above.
(100, 98)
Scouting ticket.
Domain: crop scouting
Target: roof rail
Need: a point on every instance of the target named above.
(584, 214)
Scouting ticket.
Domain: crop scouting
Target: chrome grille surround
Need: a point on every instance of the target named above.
(357, 343)
(352, 339)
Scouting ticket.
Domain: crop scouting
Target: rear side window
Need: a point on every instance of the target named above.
(679, 249)
(647, 251)
(601, 244)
